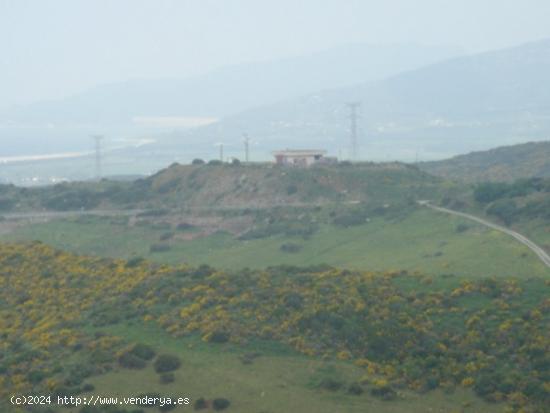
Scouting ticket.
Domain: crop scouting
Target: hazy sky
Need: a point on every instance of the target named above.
(51, 48)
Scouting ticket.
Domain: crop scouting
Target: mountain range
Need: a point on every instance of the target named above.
(412, 109)
(230, 90)
(467, 103)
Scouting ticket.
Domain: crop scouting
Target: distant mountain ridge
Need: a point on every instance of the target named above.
(466, 103)
(506, 163)
(232, 89)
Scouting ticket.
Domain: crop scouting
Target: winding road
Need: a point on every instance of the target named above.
(541, 253)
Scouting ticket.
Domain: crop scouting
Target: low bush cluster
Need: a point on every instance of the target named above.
(166, 363)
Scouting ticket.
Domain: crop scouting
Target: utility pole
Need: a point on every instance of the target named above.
(246, 147)
(97, 139)
(220, 144)
(354, 149)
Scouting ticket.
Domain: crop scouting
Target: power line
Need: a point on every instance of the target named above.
(220, 145)
(354, 146)
(97, 139)
(246, 147)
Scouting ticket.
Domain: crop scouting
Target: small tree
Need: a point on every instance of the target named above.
(220, 403)
(130, 361)
(166, 363)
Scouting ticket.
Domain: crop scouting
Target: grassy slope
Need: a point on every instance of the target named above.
(506, 163)
(277, 381)
(259, 185)
(212, 370)
(414, 244)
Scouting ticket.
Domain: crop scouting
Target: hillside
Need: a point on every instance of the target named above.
(468, 103)
(361, 216)
(508, 163)
(75, 325)
(523, 205)
(217, 185)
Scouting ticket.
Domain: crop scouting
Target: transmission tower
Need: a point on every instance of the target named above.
(354, 114)
(220, 145)
(97, 139)
(246, 147)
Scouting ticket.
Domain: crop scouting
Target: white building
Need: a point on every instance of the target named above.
(301, 157)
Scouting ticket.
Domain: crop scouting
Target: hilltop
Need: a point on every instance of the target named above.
(508, 163)
(231, 186)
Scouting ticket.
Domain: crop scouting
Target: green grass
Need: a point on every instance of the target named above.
(277, 381)
(94, 236)
(537, 230)
(424, 241)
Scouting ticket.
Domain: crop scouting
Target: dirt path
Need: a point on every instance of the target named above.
(69, 214)
(544, 257)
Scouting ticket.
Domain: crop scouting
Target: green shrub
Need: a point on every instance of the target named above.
(386, 393)
(220, 403)
(219, 337)
(184, 226)
(355, 389)
(200, 404)
(88, 387)
(130, 361)
(504, 209)
(291, 189)
(489, 191)
(166, 363)
(72, 199)
(134, 262)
